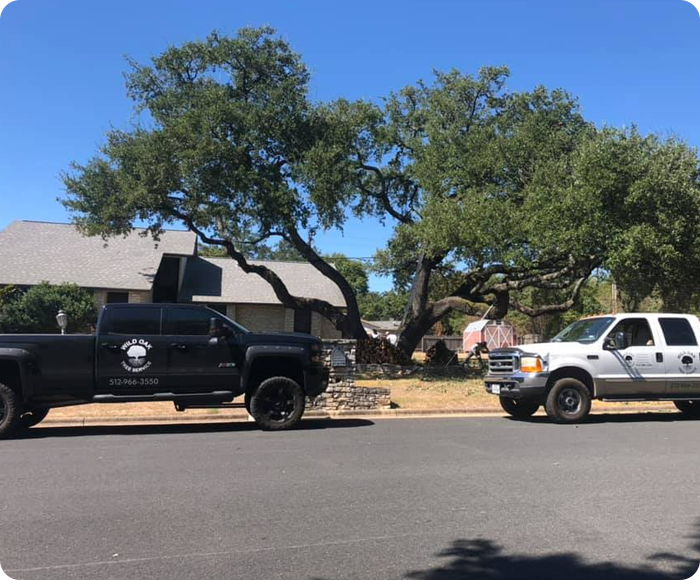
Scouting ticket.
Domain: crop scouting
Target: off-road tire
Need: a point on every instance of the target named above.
(519, 408)
(10, 411)
(277, 404)
(690, 409)
(568, 401)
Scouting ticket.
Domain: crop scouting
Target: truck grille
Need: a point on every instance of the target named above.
(500, 364)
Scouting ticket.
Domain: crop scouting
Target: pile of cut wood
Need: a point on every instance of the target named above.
(380, 351)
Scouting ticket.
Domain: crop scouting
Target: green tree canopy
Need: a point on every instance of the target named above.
(488, 192)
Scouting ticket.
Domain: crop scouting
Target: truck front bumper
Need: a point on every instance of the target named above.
(316, 380)
(517, 385)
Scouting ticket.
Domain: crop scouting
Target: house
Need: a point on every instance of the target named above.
(138, 269)
(382, 327)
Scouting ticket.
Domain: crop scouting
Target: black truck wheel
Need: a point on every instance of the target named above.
(277, 404)
(690, 409)
(10, 411)
(520, 408)
(568, 401)
(32, 417)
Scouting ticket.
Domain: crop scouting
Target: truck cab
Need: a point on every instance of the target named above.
(622, 357)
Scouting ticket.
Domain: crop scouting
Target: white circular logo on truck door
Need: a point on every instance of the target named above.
(687, 362)
(135, 353)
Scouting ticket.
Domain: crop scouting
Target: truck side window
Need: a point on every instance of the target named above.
(131, 321)
(637, 332)
(188, 321)
(678, 332)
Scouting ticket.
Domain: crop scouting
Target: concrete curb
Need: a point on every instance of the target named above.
(372, 413)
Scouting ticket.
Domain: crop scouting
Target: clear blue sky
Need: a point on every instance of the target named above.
(61, 64)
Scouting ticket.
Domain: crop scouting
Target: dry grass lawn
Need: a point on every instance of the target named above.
(433, 393)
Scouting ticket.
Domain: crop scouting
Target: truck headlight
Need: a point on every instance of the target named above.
(531, 364)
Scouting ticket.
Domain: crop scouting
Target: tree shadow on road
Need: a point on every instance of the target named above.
(183, 428)
(482, 559)
(485, 560)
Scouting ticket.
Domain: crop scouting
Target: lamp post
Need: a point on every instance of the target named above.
(62, 320)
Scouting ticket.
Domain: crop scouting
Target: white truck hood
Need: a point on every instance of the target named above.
(545, 349)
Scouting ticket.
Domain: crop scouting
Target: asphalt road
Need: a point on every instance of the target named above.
(428, 499)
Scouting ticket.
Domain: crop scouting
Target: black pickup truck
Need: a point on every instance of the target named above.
(187, 354)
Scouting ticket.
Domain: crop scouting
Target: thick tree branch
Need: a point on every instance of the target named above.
(332, 313)
(383, 195)
(352, 318)
(551, 308)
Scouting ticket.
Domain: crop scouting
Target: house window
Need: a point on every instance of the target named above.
(117, 298)
(302, 320)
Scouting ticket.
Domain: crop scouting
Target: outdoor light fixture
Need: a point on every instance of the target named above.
(62, 320)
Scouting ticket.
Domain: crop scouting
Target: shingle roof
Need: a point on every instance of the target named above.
(222, 280)
(33, 252)
(388, 325)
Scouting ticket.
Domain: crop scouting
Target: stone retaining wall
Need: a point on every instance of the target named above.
(342, 393)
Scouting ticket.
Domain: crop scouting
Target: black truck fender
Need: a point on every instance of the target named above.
(23, 363)
(293, 361)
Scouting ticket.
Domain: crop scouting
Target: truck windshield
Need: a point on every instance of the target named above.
(585, 331)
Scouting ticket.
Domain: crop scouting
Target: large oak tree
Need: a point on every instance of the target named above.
(488, 192)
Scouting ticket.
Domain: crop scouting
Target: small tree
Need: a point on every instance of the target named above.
(34, 311)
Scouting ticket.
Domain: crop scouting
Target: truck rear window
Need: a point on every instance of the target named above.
(131, 321)
(678, 332)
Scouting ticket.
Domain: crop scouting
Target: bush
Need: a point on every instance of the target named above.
(34, 311)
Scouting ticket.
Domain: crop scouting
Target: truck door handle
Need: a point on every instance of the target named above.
(109, 346)
(178, 345)
(659, 357)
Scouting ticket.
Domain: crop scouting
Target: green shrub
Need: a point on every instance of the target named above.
(34, 310)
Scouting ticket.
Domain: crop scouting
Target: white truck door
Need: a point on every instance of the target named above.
(638, 369)
(682, 357)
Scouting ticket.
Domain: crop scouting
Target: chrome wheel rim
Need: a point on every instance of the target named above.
(570, 401)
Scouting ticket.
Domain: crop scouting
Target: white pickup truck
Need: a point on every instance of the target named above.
(623, 357)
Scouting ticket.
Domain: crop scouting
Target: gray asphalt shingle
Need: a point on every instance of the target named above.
(222, 280)
(33, 252)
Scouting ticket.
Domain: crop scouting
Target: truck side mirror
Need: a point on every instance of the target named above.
(615, 342)
(218, 331)
(215, 327)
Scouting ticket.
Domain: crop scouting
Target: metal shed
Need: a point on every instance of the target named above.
(495, 333)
